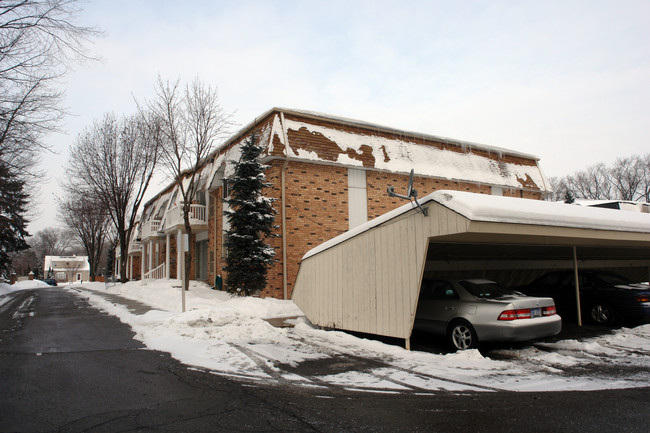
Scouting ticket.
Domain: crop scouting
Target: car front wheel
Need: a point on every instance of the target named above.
(462, 336)
(601, 313)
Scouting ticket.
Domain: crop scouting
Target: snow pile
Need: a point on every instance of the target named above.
(166, 294)
(212, 331)
(6, 288)
(21, 285)
(231, 336)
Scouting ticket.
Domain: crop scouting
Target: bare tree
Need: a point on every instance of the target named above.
(116, 159)
(628, 178)
(87, 217)
(560, 190)
(39, 41)
(644, 186)
(52, 242)
(22, 262)
(192, 123)
(592, 183)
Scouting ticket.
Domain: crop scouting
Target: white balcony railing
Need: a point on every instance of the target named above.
(174, 216)
(135, 247)
(156, 273)
(150, 228)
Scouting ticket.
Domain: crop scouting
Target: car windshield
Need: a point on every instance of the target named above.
(487, 289)
(612, 279)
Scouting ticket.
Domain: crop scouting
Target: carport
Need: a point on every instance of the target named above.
(368, 279)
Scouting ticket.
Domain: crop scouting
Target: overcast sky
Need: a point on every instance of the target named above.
(564, 80)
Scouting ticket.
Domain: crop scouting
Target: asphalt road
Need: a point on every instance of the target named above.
(66, 367)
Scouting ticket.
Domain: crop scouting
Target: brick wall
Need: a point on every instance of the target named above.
(317, 210)
(136, 267)
(317, 194)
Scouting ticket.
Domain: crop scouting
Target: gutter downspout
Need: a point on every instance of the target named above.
(284, 207)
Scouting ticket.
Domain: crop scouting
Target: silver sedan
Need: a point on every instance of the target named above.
(473, 310)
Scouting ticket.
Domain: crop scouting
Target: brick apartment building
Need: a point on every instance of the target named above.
(328, 175)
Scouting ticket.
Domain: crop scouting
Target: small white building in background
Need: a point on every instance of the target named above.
(67, 269)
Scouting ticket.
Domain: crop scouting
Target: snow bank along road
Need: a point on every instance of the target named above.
(66, 367)
(229, 336)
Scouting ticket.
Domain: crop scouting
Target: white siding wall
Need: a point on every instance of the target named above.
(370, 283)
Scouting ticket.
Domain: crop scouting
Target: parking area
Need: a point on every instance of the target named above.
(370, 279)
(235, 338)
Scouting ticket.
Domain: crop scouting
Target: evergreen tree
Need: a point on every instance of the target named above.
(13, 205)
(568, 197)
(251, 222)
(110, 260)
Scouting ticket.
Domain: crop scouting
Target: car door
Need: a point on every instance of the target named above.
(437, 305)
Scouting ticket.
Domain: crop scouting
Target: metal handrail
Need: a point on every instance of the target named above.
(156, 273)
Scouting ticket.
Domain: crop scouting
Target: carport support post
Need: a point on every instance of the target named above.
(407, 343)
(577, 283)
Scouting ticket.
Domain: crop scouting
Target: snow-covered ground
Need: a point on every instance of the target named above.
(6, 288)
(231, 336)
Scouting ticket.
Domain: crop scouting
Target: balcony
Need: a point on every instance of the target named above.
(135, 247)
(198, 217)
(151, 229)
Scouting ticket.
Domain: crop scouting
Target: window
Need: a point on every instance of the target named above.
(161, 210)
(225, 189)
(172, 202)
(486, 290)
(224, 248)
(437, 289)
(201, 271)
(199, 196)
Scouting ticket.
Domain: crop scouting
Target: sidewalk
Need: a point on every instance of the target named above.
(139, 308)
(135, 307)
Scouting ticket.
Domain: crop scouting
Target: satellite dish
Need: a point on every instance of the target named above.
(410, 192)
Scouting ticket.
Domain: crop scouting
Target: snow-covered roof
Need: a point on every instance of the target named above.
(378, 127)
(481, 207)
(59, 263)
(510, 210)
(328, 139)
(322, 138)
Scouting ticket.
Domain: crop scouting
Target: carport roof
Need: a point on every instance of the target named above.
(511, 210)
(481, 207)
